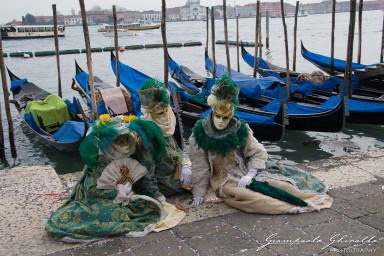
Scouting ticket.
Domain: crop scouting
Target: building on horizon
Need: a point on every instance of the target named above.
(192, 10)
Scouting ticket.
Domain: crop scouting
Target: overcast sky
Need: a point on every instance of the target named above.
(15, 9)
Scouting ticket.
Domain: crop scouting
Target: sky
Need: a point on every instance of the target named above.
(15, 9)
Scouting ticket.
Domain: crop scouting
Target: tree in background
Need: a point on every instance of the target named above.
(28, 19)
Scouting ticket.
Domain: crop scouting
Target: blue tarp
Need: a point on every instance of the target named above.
(324, 61)
(250, 118)
(301, 109)
(178, 73)
(73, 106)
(70, 131)
(304, 87)
(249, 86)
(132, 79)
(82, 80)
(30, 120)
(365, 106)
(16, 84)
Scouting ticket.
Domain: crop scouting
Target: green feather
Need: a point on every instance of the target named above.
(275, 192)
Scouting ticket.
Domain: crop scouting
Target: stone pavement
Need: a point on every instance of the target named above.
(353, 226)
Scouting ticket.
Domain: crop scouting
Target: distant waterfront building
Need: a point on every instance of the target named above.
(150, 16)
(341, 6)
(192, 11)
(76, 20)
(173, 14)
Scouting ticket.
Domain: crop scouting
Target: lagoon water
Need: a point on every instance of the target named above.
(295, 147)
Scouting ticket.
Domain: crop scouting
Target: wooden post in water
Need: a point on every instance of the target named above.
(91, 80)
(2, 144)
(260, 43)
(382, 43)
(237, 43)
(360, 28)
(57, 50)
(116, 36)
(256, 39)
(7, 110)
(164, 36)
(207, 26)
(213, 41)
(286, 47)
(348, 70)
(267, 30)
(295, 38)
(226, 37)
(333, 38)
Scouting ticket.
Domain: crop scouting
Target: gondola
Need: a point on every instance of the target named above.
(266, 126)
(316, 114)
(57, 123)
(327, 85)
(365, 72)
(109, 99)
(365, 106)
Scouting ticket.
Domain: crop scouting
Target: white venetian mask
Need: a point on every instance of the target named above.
(221, 120)
(161, 116)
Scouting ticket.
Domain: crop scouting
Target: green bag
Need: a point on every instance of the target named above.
(50, 113)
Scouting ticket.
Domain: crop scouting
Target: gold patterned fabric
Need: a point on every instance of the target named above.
(89, 213)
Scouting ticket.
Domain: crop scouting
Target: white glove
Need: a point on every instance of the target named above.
(245, 180)
(197, 200)
(186, 174)
(161, 198)
(127, 188)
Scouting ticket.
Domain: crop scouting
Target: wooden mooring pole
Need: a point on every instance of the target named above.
(237, 44)
(260, 43)
(256, 39)
(382, 43)
(226, 37)
(295, 38)
(59, 91)
(207, 26)
(164, 36)
(351, 32)
(286, 47)
(213, 41)
(333, 37)
(116, 36)
(267, 30)
(7, 111)
(360, 29)
(91, 80)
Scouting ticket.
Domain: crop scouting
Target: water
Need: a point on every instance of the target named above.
(296, 147)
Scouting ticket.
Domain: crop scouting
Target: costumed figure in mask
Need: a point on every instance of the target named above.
(173, 172)
(227, 157)
(104, 201)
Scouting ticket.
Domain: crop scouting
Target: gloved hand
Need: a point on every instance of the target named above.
(197, 200)
(246, 179)
(127, 188)
(186, 174)
(161, 198)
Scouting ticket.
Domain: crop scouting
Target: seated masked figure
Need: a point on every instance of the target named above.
(104, 201)
(173, 171)
(227, 158)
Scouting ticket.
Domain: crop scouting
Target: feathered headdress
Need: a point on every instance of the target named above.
(152, 93)
(224, 89)
(107, 130)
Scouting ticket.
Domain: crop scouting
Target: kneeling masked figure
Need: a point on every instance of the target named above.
(227, 158)
(104, 202)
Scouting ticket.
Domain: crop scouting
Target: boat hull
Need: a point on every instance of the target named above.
(32, 91)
